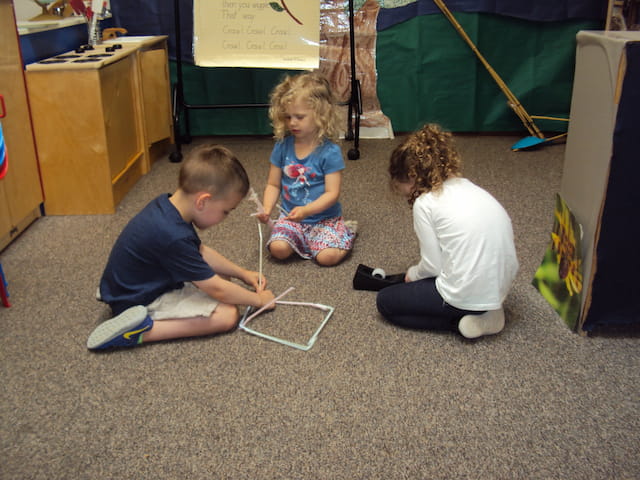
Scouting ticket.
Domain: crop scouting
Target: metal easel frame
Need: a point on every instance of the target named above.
(181, 108)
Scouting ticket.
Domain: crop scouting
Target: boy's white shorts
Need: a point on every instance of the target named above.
(188, 301)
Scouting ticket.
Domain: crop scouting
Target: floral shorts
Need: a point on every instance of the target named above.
(309, 239)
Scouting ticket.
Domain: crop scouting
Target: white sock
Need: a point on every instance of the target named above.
(487, 323)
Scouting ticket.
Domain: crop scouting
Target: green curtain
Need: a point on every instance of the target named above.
(428, 73)
(224, 86)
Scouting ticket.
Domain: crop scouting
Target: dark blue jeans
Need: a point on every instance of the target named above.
(418, 305)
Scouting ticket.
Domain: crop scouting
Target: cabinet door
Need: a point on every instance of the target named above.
(156, 93)
(5, 219)
(21, 185)
(121, 115)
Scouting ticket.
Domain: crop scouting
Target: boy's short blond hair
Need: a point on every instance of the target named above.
(213, 169)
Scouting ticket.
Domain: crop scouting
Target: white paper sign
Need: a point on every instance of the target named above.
(260, 34)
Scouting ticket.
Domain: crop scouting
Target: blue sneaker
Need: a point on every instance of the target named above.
(123, 330)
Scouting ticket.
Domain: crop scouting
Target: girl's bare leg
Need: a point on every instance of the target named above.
(331, 256)
(280, 249)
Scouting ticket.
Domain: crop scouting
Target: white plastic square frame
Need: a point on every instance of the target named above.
(246, 318)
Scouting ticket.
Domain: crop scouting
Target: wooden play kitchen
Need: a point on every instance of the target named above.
(101, 116)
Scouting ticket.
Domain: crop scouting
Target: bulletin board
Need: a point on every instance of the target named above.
(250, 33)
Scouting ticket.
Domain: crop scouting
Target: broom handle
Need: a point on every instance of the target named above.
(513, 101)
(542, 117)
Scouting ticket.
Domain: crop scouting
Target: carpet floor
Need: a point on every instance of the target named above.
(368, 401)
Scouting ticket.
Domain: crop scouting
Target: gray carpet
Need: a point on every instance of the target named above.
(368, 401)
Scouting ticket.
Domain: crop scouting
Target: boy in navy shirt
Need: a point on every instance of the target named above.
(160, 281)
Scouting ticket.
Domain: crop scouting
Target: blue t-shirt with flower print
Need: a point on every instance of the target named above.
(303, 178)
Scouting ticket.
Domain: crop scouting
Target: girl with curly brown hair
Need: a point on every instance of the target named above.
(467, 255)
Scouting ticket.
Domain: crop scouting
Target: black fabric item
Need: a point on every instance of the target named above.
(153, 17)
(364, 279)
(538, 11)
(614, 295)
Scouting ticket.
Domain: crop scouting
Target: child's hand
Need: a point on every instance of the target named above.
(297, 214)
(255, 280)
(263, 217)
(266, 296)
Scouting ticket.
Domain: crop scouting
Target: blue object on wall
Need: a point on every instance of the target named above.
(49, 43)
(4, 159)
(4, 292)
(40, 45)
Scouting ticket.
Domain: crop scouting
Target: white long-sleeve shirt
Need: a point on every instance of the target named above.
(466, 242)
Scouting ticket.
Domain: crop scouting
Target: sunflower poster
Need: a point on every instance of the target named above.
(559, 277)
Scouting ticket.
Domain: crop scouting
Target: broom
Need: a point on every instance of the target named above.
(537, 136)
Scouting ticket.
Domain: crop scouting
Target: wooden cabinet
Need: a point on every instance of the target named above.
(20, 191)
(95, 133)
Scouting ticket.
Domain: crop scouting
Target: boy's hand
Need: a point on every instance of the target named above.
(254, 280)
(266, 296)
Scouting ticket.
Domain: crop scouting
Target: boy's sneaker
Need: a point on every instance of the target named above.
(487, 323)
(123, 330)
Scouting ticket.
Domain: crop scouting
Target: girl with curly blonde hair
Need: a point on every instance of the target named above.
(306, 173)
(467, 255)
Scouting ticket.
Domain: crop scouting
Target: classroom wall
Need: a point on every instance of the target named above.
(425, 71)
